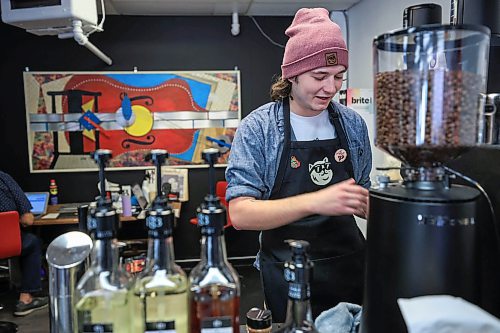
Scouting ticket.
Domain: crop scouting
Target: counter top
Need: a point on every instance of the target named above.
(69, 218)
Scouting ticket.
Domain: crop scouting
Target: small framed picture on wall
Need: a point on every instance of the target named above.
(175, 181)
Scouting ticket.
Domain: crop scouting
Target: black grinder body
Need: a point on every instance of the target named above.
(420, 242)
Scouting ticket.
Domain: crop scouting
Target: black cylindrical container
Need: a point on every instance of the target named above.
(420, 242)
(484, 12)
(417, 15)
(83, 211)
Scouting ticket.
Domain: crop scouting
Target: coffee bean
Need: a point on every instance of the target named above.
(425, 117)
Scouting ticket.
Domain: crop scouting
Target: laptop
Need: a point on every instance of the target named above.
(39, 202)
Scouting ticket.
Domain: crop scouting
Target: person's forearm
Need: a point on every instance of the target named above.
(343, 198)
(251, 214)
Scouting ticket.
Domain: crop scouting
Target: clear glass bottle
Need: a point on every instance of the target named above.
(298, 272)
(162, 287)
(215, 287)
(103, 293)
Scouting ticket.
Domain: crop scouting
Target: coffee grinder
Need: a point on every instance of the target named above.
(422, 231)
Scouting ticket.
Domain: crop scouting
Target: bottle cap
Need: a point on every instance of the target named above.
(259, 319)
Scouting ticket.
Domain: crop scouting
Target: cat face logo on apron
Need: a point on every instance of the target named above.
(320, 171)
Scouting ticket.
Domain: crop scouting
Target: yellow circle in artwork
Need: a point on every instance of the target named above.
(143, 121)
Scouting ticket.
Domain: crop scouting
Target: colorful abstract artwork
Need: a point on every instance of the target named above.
(70, 115)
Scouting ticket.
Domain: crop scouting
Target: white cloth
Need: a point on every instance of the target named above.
(312, 128)
(446, 314)
(343, 318)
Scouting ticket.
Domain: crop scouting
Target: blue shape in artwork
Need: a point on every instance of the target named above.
(85, 123)
(126, 107)
(219, 142)
(188, 154)
(199, 90)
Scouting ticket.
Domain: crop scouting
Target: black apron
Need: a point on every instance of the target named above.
(336, 243)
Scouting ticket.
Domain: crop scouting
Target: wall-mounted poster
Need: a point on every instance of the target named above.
(70, 115)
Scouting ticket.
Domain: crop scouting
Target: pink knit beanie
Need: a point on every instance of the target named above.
(315, 41)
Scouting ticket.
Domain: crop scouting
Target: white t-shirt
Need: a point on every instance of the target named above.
(312, 128)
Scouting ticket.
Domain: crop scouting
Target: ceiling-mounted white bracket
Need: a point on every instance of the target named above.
(83, 40)
(235, 26)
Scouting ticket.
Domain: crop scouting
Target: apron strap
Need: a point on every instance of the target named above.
(285, 154)
(335, 120)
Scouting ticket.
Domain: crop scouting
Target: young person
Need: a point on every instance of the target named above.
(299, 169)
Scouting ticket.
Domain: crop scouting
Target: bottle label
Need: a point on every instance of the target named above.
(53, 200)
(160, 327)
(97, 328)
(217, 325)
(154, 222)
(299, 291)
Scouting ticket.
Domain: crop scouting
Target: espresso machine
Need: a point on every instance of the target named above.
(422, 232)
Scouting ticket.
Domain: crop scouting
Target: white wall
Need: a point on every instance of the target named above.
(370, 18)
(339, 17)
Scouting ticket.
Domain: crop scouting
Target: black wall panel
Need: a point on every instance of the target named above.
(150, 43)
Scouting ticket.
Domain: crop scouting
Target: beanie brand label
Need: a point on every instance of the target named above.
(331, 59)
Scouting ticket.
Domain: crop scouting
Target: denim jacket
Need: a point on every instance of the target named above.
(258, 145)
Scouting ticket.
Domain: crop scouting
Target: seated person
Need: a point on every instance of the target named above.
(13, 198)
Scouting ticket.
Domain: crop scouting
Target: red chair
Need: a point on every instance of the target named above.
(10, 246)
(10, 237)
(220, 192)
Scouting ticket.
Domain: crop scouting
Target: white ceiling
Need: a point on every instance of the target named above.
(220, 7)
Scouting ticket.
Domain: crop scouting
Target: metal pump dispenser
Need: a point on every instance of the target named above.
(298, 273)
(103, 221)
(160, 208)
(211, 213)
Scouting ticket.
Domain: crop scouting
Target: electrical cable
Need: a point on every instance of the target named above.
(265, 35)
(103, 14)
(483, 192)
(101, 24)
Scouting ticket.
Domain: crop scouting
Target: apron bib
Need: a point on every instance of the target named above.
(337, 244)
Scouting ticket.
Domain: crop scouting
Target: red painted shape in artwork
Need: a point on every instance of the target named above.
(171, 95)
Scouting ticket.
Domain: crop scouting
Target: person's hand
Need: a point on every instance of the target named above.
(365, 215)
(344, 198)
(27, 219)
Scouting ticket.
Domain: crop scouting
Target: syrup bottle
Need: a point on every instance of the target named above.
(162, 287)
(215, 287)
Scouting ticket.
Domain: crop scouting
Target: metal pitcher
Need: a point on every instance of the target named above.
(66, 256)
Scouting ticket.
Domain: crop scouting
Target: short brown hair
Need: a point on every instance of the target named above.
(280, 89)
